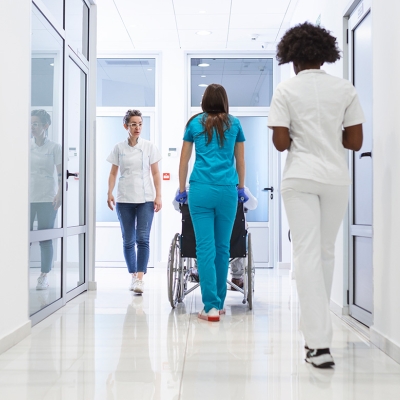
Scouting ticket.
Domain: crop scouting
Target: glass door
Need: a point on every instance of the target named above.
(58, 146)
(74, 174)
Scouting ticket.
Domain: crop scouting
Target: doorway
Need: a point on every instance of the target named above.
(360, 245)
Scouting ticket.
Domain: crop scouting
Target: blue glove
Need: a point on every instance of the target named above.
(181, 197)
(242, 195)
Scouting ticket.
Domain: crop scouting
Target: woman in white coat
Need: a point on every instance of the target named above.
(315, 116)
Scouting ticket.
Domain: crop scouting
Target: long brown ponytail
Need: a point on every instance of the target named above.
(215, 104)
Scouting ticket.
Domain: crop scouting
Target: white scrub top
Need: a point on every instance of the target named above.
(135, 184)
(44, 159)
(315, 107)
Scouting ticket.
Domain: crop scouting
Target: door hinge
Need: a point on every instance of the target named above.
(347, 36)
(348, 297)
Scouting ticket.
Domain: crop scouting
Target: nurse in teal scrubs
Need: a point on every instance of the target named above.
(216, 186)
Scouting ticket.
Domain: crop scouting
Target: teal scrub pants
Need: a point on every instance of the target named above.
(213, 210)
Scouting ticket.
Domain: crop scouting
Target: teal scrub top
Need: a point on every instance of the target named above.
(214, 164)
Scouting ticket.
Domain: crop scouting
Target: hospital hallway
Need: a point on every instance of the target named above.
(112, 344)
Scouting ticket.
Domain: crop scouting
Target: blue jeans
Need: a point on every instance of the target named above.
(46, 215)
(213, 210)
(135, 220)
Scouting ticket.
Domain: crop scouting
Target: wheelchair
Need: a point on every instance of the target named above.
(182, 263)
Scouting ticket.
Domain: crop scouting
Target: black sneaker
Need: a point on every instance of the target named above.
(320, 358)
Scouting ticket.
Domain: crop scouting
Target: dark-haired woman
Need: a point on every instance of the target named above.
(315, 116)
(137, 159)
(219, 140)
(45, 188)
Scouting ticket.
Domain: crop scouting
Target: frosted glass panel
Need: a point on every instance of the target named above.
(126, 82)
(256, 157)
(110, 131)
(248, 81)
(75, 261)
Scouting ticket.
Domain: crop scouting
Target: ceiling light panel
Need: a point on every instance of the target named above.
(256, 21)
(244, 35)
(156, 22)
(211, 7)
(203, 22)
(131, 9)
(259, 7)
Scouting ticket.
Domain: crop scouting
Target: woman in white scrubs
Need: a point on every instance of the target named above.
(137, 159)
(315, 116)
(45, 187)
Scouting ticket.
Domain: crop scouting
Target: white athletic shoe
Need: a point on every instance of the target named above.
(138, 286)
(132, 285)
(42, 282)
(212, 315)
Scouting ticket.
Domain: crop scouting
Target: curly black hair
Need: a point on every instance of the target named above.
(307, 44)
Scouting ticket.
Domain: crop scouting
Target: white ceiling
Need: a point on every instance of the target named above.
(127, 25)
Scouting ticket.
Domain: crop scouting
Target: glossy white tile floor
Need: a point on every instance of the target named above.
(111, 344)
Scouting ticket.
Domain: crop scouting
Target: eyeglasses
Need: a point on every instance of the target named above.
(134, 125)
(35, 124)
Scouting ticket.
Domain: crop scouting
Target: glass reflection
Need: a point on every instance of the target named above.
(75, 261)
(44, 274)
(248, 81)
(77, 26)
(134, 372)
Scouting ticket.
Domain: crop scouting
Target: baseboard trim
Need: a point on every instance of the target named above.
(92, 285)
(284, 265)
(15, 337)
(385, 344)
(338, 309)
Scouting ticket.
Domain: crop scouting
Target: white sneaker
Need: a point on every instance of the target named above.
(138, 286)
(212, 315)
(42, 282)
(132, 285)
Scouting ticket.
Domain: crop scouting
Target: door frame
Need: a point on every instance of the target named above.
(355, 14)
(273, 224)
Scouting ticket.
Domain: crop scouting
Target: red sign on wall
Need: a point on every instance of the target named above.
(166, 176)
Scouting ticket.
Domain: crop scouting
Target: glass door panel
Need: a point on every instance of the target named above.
(75, 261)
(76, 138)
(44, 273)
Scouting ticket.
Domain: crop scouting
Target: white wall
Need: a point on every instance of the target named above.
(173, 120)
(15, 16)
(386, 165)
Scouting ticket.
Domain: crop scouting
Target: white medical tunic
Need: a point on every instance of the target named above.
(135, 184)
(315, 107)
(44, 159)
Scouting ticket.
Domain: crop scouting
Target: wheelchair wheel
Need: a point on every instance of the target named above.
(174, 261)
(250, 273)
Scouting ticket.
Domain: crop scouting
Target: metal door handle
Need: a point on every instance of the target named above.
(71, 174)
(270, 188)
(367, 154)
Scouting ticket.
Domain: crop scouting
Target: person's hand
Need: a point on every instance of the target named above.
(111, 202)
(242, 196)
(157, 204)
(57, 201)
(181, 197)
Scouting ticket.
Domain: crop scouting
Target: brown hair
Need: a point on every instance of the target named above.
(215, 104)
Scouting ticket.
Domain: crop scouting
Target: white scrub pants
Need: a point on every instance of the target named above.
(314, 211)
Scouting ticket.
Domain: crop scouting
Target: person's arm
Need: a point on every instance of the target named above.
(353, 137)
(111, 184)
(240, 164)
(157, 184)
(281, 138)
(186, 153)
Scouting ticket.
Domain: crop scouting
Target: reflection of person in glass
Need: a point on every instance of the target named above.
(45, 190)
(134, 376)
